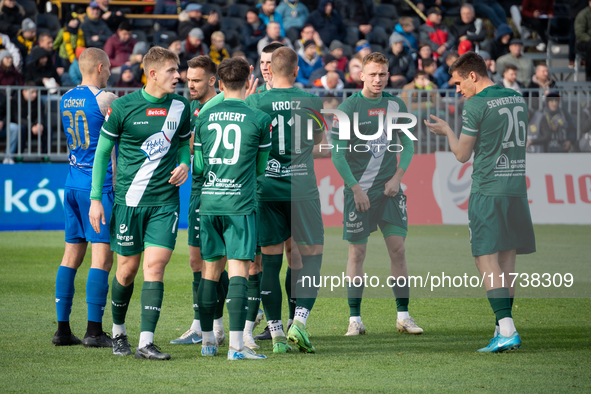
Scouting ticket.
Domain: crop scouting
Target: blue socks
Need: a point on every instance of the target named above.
(64, 292)
(97, 288)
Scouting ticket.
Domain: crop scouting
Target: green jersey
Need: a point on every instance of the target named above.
(295, 117)
(497, 117)
(196, 180)
(262, 89)
(148, 131)
(372, 162)
(230, 135)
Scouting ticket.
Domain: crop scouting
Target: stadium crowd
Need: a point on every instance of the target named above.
(41, 42)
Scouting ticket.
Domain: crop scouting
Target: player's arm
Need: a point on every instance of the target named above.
(408, 150)
(99, 171)
(180, 174)
(262, 159)
(198, 166)
(264, 142)
(461, 147)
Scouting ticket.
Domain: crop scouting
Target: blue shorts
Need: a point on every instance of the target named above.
(78, 228)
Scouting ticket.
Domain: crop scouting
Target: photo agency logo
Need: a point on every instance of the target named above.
(378, 142)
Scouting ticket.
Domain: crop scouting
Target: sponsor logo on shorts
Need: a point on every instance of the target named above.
(156, 112)
(125, 238)
(402, 207)
(352, 216)
(123, 228)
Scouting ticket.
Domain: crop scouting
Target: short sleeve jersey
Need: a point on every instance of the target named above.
(372, 162)
(295, 117)
(148, 131)
(497, 117)
(196, 180)
(83, 112)
(230, 135)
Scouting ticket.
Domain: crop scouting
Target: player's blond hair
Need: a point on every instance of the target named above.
(375, 57)
(157, 57)
(90, 59)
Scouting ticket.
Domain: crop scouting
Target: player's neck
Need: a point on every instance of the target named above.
(211, 93)
(235, 94)
(154, 90)
(90, 82)
(368, 94)
(483, 84)
(282, 83)
(270, 85)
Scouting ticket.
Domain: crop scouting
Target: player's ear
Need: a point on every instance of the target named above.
(297, 70)
(221, 86)
(212, 80)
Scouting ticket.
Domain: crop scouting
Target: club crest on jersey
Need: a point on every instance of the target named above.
(171, 124)
(156, 112)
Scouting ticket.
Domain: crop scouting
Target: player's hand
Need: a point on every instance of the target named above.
(96, 215)
(392, 187)
(361, 199)
(179, 175)
(439, 127)
(252, 83)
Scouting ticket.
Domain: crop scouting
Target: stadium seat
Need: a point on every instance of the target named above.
(139, 35)
(230, 23)
(30, 7)
(209, 7)
(238, 10)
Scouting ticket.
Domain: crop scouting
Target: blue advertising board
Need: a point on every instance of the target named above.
(32, 197)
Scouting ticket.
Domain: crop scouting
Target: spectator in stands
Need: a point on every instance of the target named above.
(424, 53)
(491, 66)
(583, 34)
(575, 6)
(169, 7)
(119, 47)
(96, 31)
(113, 16)
(68, 39)
(353, 78)
(541, 80)
(273, 35)
(40, 70)
(406, 28)
(510, 78)
(34, 119)
(441, 75)
(357, 15)
(423, 5)
(430, 67)
(218, 51)
(336, 49)
(45, 41)
(525, 66)
(421, 95)
(435, 33)
(252, 32)
(194, 45)
(490, 9)
(74, 70)
(331, 83)
(9, 75)
(193, 19)
(127, 80)
(330, 64)
(26, 38)
(309, 33)
(173, 43)
(294, 15)
(363, 48)
(536, 14)
(12, 15)
(308, 62)
(551, 129)
(500, 45)
(328, 23)
(402, 65)
(12, 129)
(467, 27)
(268, 13)
(5, 43)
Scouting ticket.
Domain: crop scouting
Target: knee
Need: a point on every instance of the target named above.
(397, 252)
(196, 263)
(357, 255)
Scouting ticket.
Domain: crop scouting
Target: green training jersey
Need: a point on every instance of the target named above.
(196, 180)
(372, 162)
(148, 131)
(497, 117)
(262, 89)
(295, 117)
(230, 135)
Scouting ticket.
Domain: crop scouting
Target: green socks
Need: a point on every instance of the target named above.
(402, 297)
(271, 286)
(254, 296)
(222, 291)
(500, 302)
(151, 299)
(196, 280)
(207, 300)
(354, 296)
(237, 302)
(307, 289)
(120, 296)
(291, 279)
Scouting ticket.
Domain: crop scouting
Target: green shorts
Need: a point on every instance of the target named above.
(194, 203)
(280, 220)
(383, 211)
(500, 223)
(231, 236)
(135, 228)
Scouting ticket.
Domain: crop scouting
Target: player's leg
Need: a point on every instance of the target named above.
(398, 269)
(294, 267)
(254, 301)
(218, 316)
(121, 292)
(64, 292)
(97, 288)
(355, 285)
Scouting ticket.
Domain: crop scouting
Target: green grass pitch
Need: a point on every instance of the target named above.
(556, 332)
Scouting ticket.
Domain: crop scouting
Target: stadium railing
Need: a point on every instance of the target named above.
(576, 99)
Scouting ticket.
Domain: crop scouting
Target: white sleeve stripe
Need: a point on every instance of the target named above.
(196, 144)
(106, 132)
(264, 146)
(186, 135)
(470, 130)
